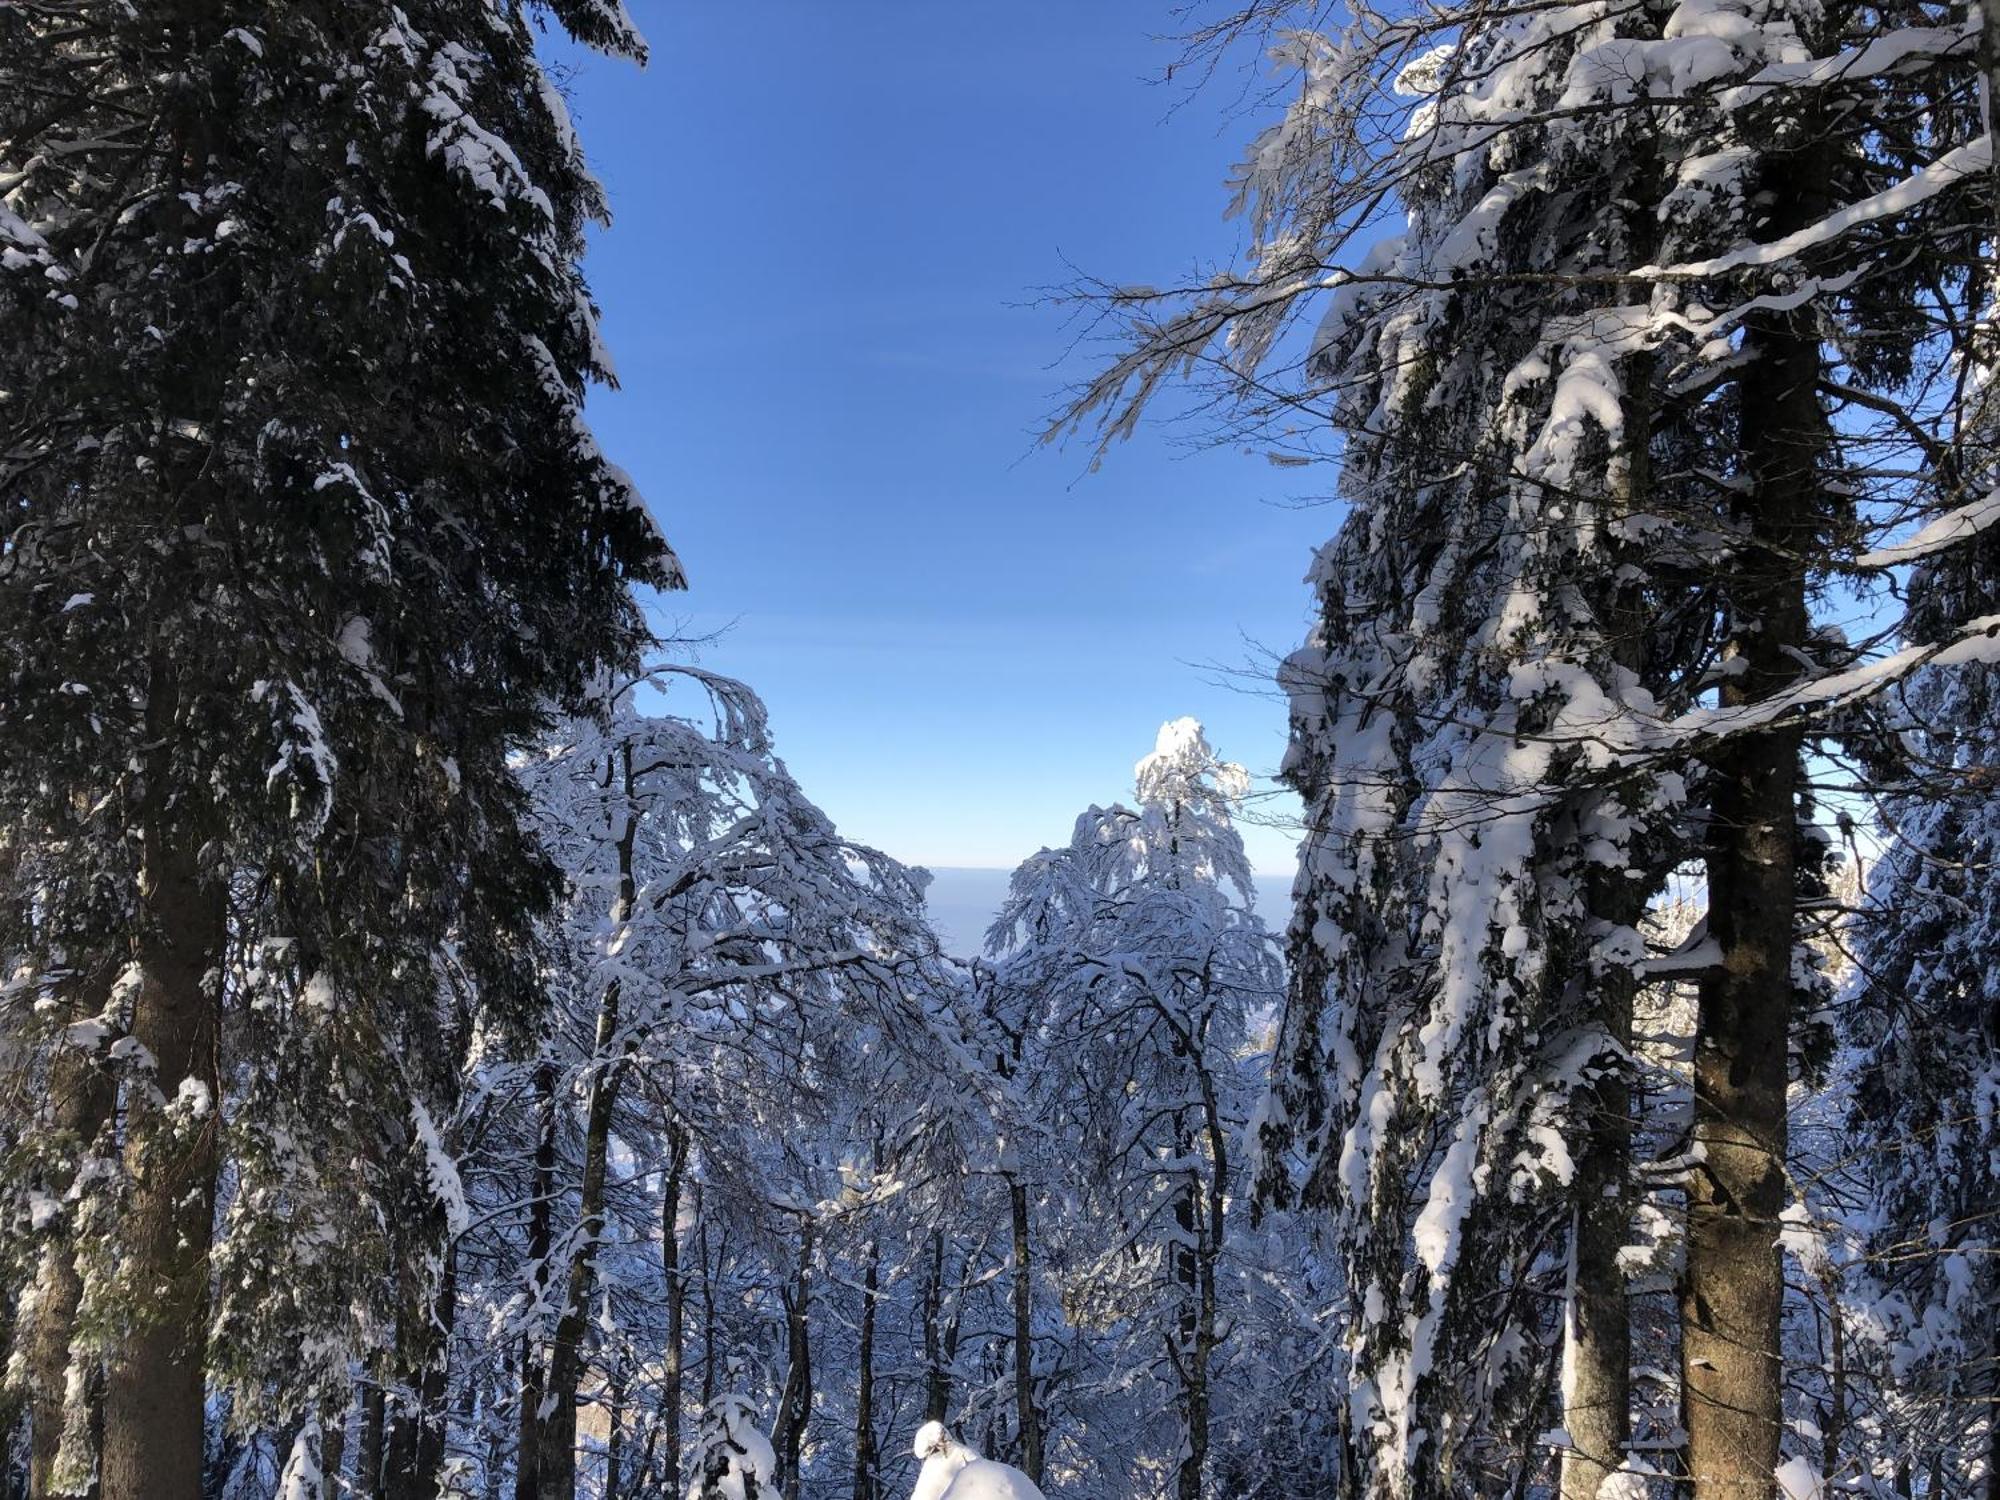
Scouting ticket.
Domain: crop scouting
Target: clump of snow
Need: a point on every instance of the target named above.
(732, 1459)
(441, 1168)
(943, 1455)
(953, 1471)
(1799, 1479)
(983, 1479)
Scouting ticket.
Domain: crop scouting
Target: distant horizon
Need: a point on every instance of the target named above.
(964, 899)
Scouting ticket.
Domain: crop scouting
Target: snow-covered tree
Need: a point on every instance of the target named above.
(1665, 335)
(305, 531)
(1133, 965)
(732, 978)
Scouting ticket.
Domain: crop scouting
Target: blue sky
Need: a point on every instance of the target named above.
(833, 222)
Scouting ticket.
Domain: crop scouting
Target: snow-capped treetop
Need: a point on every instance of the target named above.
(943, 1456)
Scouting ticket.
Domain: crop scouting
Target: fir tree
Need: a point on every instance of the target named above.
(306, 531)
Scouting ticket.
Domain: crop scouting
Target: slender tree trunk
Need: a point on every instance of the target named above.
(399, 1443)
(153, 1398)
(795, 1404)
(1597, 1335)
(1024, 1336)
(671, 1358)
(558, 1440)
(369, 1443)
(1187, 1277)
(707, 1306)
(430, 1382)
(81, 1096)
(1201, 1215)
(865, 1460)
(937, 1374)
(528, 1449)
(614, 1442)
(1835, 1432)
(1732, 1362)
(332, 1449)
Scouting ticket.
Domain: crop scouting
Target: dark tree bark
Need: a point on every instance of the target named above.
(369, 1443)
(865, 1457)
(937, 1368)
(614, 1445)
(1732, 1363)
(558, 1438)
(332, 1450)
(788, 1433)
(153, 1397)
(527, 1452)
(1597, 1344)
(707, 1305)
(421, 1419)
(1834, 1429)
(672, 1357)
(81, 1096)
(1024, 1335)
(1597, 1338)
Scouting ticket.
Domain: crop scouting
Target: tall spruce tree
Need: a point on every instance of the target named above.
(1598, 413)
(305, 534)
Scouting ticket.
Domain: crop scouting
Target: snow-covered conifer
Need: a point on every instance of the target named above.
(1649, 358)
(306, 532)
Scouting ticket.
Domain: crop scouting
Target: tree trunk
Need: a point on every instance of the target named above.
(608, 1054)
(368, 1444)
(1024, 1336)
(1836, 1416)
(81, 1096)
(937, 1370)
(332, 1450)
(865, 1487)
(795, 1404)
(707, 1305)
(528, 1451)
(153, 1406)
(1732, 1364)
(1187, 1276)
(415, 1469)
(1597, 1334)
(614, 1442)
(670, 1274)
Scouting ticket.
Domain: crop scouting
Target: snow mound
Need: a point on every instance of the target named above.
(983, 1479)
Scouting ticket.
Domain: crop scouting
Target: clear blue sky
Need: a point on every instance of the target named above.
(832, 222)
